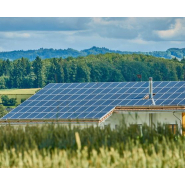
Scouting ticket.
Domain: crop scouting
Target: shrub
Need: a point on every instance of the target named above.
(2, 111)
(8, 101)
(23, 99)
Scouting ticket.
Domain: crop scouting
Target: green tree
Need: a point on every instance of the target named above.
(95, 73)
(6, 67)
(55, 73)
(8, 101)
(180, 72)
(175, 59)
(83, 73)
(2, 82)
(17, 74)
(2, 111)
(38, 71)
(5, 99)
(73, 71)
(183, 60)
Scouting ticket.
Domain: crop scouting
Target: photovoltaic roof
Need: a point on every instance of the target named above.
(95, 100)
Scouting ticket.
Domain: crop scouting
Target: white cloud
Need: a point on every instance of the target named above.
(175, 32)
(1, 48)
(121, 33)
(138, 41)
(14, 35)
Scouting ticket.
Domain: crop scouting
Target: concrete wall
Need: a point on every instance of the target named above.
(143, 117)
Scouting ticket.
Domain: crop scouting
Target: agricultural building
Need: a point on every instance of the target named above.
(104, 103)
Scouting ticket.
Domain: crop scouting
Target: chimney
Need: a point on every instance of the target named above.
(150, 88)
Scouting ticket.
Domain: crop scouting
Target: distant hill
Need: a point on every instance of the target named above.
(64, 53)
(179, 53)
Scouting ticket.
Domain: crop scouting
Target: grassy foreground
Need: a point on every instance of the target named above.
(58, 146)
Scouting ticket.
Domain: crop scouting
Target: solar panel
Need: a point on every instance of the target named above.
(94, 100)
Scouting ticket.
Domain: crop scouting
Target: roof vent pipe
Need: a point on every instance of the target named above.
(150, 88)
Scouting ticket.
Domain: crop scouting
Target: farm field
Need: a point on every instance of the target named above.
(18, 93)
(57, 146)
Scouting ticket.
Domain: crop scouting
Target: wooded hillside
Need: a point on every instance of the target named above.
(64, 53)
(110, 67)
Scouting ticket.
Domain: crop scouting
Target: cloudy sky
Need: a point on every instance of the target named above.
(125, 34)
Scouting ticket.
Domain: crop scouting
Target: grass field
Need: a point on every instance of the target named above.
(18, 93)
(57, 146)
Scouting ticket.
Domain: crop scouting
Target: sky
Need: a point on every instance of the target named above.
(117, 33)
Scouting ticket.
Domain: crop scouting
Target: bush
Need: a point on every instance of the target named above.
(2, 111)
(23, 99)
(8, 101)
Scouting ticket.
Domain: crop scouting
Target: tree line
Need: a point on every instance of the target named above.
(110, 67)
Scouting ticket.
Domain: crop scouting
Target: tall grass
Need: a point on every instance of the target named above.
(58, 146)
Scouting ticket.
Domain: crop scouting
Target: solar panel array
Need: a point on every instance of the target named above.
(94, 100)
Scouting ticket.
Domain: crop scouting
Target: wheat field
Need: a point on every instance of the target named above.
(55, 146)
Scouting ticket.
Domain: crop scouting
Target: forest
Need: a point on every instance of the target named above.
(110, 67)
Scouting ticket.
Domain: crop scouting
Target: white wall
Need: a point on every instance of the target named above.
(143, 117)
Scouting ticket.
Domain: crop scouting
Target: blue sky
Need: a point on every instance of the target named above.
(122, 33)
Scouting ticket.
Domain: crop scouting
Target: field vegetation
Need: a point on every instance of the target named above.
(19, 95)
(18, 91)
(56, 146)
